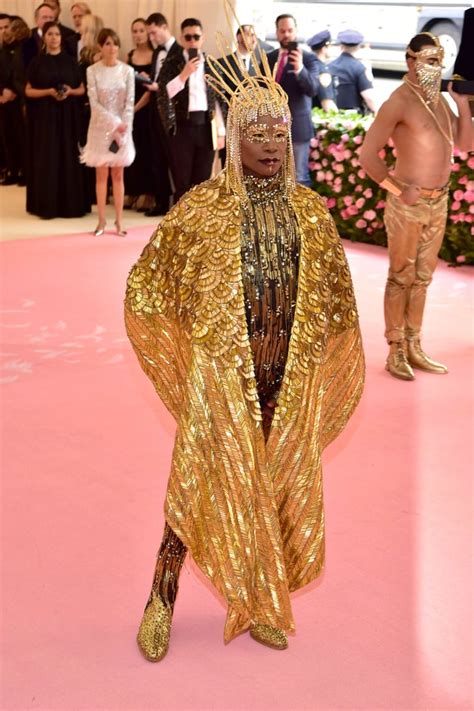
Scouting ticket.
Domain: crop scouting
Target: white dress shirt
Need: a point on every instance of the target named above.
(162, 54)
(197, 92)
(196, 84)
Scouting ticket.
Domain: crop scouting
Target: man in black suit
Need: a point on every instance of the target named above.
(32, 46)
(46, 12)
(189, 110)
(65, 31)
(297, 72)
(164, 45)
(240, 59)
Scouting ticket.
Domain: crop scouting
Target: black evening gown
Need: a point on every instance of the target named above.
(55, 177)
(138, 176)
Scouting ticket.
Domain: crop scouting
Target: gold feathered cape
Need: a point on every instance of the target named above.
(250, 513)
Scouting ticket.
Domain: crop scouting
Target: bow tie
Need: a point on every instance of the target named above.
(161, 48)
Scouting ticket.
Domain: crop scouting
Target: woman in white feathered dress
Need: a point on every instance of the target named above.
(111, 90)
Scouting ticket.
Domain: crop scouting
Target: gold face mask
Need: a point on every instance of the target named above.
(429, 79)
(261, 133)
(429, 75)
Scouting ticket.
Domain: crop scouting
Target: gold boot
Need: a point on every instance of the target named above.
(269, 636)
(418, 359)
(154, 632)
(155, 628)
(397, 363)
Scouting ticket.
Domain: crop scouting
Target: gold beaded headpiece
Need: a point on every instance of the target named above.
(433, 51)
(248, 98)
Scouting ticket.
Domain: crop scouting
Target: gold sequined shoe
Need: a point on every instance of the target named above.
(155, 628)
(398, 365)
(269, 636)
(418, 359)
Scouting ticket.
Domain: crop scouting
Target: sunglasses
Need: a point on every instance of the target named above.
(189, 38)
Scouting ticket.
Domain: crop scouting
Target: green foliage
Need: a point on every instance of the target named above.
(357, 202)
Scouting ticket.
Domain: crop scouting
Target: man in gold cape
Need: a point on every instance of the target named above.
(245, 499)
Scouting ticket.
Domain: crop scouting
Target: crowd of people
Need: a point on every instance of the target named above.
(153, 123)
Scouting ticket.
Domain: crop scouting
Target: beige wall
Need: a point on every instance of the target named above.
(119, 14)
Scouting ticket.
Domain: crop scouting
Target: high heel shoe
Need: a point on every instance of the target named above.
(154, 634)
(99, 230)
(119, 231)
(269, 636)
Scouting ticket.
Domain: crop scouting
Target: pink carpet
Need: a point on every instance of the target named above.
(86, 450)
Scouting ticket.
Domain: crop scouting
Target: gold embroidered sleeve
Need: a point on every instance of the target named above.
(154, 317)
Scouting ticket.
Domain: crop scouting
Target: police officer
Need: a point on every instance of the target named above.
(354, 88)
(325, 98)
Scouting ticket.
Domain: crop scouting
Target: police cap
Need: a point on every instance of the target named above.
(350, 37)
(319, 39)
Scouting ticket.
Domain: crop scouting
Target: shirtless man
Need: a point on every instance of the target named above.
(424, 131)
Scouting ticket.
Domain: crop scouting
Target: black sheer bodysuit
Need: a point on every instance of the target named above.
(270, 258)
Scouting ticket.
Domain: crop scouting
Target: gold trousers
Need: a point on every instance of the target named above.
(415, 234)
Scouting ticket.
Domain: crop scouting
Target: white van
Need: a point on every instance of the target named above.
(387, 26)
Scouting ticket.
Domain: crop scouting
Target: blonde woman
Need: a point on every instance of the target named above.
(91, 25)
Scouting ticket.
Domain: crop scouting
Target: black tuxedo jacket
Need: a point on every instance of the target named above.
(175, 110)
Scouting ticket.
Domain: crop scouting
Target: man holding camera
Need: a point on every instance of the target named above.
(189, 111)
(297, 72)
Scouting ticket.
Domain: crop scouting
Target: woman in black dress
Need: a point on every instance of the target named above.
(55, 177)
(138, 177)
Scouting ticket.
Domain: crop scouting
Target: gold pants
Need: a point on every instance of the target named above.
(415, 234)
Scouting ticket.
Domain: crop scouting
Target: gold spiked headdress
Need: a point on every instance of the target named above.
(248, 98)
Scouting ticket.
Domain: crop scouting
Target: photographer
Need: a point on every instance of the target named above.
(189, 110)
(297, 73)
